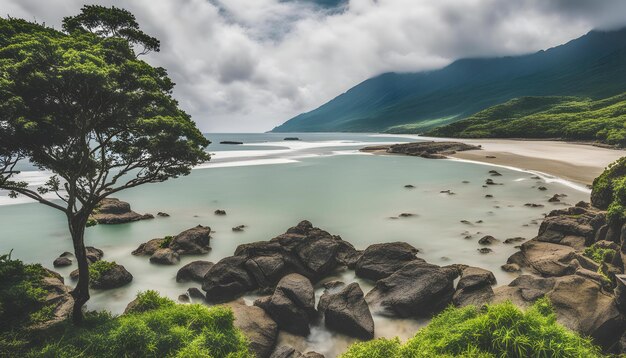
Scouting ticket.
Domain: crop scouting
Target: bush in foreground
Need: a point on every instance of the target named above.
(501, 330)
(156, 327)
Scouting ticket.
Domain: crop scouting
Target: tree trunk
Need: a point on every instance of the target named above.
(81, 291)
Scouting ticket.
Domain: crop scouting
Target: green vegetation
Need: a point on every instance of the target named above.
(599, 254)
(568, 118)
(81, 104)
(500, 330)
(156, 327)
(609, 191)
(166, 242)
(98, 268)
(22, 298)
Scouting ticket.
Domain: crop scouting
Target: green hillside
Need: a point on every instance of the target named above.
(591, 66)
(569, 118)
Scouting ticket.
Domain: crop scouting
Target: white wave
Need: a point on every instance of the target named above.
(244, 163)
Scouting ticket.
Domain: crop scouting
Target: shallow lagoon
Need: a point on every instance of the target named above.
(269, 185)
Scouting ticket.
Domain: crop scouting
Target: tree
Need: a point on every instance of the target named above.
(82, 105)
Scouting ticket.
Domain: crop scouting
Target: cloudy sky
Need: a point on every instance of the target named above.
(248, 65)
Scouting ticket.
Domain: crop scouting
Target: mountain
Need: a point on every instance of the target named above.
(568, 118)
(593, 65)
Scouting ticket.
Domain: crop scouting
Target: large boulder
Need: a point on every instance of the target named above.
(194, 241)
(418, 289)
(115, 211)
(292, 305)
(93, 254)
(149, 248)
(287, 351)
(381, 260)
(193, 271)
(227, 280)
(57, 296)
(474, 287)
(257, 326)
(575, 221)
(347, 312)
(116, 276)
(548, 259)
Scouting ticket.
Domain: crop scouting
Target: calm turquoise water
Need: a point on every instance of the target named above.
(270, 185)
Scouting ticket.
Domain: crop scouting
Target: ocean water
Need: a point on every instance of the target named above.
(269, 185)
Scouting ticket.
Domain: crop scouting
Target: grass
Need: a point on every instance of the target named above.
(500, 330)
(569, 118)
(166, 242)
(157, 327)
(22, 297)
(599, 254)
(99, 268)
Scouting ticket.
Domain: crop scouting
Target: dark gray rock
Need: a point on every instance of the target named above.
(381, 260)
(116, 277)
(227, 280)
(62, 262)
(347, 312)
(115, 211)
(258, 327)
(193, 271)
(165, 257)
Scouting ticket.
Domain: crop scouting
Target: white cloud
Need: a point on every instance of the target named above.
(248, 65)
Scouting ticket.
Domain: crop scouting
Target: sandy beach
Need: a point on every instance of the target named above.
(576, 162)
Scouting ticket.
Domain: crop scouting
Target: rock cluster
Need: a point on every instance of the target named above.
(430, 150)
(115, 211)
(167, 250)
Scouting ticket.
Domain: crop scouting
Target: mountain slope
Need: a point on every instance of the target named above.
(593, 66)
(546, 117)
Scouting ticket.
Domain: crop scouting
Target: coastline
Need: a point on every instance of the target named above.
(577, 162)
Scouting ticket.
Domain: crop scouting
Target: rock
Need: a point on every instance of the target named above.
(227, 280)
(193, 271)
(510, 268)
(59, 298)
(431, 150)
(292, 305)
(184, 298)
(485, 250)
(495, 173)
(194, 241)
(287, 351)
(163, 215)
(533, 205)
(195, 294)
(409, 186)
(239, 228)
(418, 289)
(291, 138)
(149, 248)
(476, 297)
(488, 240)
(93, 254)
(466, 222)
(66, 254)
(474, 277)
(220, 212)
(347, 312)
(115, 211)
(334, 286)
(62, 262)
(620, 292)
(554, 199)
(258, 327)
(465, 182)
(230, 142)
(491, 182)
(115, 277)
(490, 156)
(406, 215)
(542, 188)
(381, 260)
(488, 196)
(548, 259)
(514, 240)
(165, 257)
(572, 221)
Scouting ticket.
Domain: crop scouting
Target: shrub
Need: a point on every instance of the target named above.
(98, 268)
(156, 327)
(501, 330)
(609, 190)
(166, 242)
(599, 254)
(22, 297)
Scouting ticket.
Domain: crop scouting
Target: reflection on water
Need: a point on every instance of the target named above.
(350, 195)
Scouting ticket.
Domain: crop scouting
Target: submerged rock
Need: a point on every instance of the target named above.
(220, 212)
(488, 240)
(347, 312)
(62, 262)
(115, 211)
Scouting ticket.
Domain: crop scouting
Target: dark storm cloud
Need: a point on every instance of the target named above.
(247, 65)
